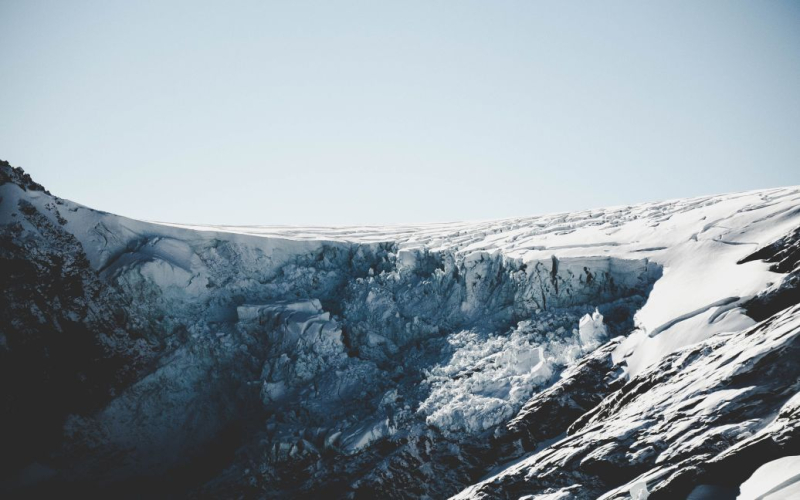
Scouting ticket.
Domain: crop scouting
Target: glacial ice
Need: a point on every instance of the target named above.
(489, 376)
(346, 354)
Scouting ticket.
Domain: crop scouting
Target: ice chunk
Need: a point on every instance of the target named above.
(591, 329)
(407, 259)
(363, 434)
(260, 312)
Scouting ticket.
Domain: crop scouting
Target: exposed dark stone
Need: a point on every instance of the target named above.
(18, 176)
(784, 255)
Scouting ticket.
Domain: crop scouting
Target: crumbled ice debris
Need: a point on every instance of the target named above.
(484, 381)
(489, 377)
(592, 331)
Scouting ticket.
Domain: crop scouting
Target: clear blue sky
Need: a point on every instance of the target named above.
(385, 112)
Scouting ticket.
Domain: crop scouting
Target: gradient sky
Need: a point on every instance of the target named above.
(388, 112)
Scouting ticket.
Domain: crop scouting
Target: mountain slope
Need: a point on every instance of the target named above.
(614, 352)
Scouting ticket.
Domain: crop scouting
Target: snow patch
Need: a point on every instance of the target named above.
(779, 479)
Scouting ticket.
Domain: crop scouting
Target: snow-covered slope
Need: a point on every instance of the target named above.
(621, 352)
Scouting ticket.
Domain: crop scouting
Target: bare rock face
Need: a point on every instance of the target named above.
(574, 355)
(18, 177)
(67, 344)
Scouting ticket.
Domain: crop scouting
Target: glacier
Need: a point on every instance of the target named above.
(644, 351)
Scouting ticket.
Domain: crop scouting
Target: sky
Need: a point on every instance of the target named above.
(341, 112)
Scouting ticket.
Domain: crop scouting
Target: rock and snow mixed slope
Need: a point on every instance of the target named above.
(622, 352)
